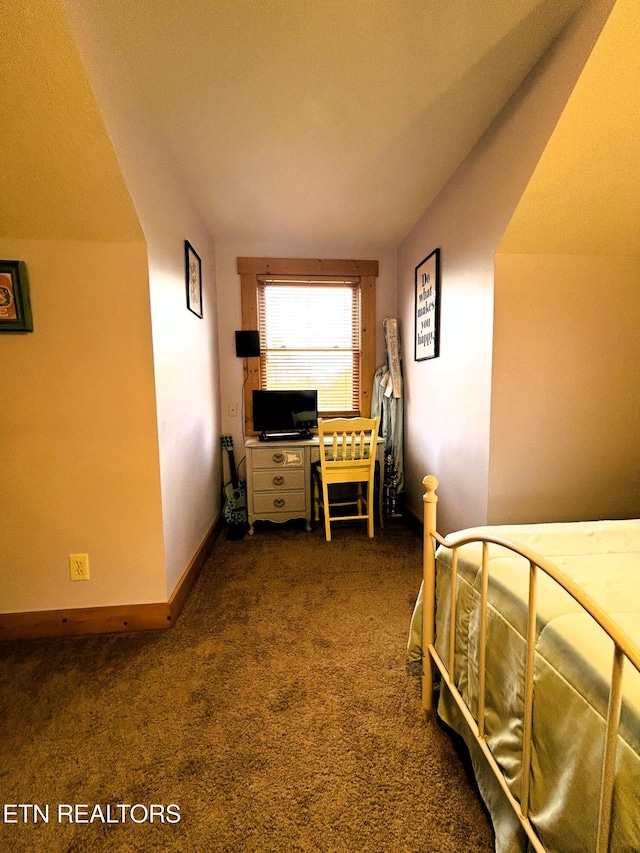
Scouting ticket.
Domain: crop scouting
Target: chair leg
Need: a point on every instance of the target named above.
(316, 499)
(327, 521)
(370, 511)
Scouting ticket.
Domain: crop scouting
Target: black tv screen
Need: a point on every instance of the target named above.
(285, 411)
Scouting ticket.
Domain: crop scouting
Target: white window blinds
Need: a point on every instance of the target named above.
(310, 338)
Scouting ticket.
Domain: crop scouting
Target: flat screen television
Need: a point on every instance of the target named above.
(285, 414)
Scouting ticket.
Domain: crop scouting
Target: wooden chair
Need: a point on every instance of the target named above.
(347, 455)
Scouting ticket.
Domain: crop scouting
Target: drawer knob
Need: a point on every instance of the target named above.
(278, 481)
(278, 457)
(278, 503)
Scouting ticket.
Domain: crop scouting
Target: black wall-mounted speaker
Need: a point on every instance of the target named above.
(247, 344)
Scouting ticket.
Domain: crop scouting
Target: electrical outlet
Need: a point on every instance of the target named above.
(79, 567)
(233, 410)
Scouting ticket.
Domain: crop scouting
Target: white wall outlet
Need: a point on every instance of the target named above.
(79, 567)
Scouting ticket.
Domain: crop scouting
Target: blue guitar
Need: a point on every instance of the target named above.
(235, 492)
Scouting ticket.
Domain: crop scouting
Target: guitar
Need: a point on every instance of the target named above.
(235, 492)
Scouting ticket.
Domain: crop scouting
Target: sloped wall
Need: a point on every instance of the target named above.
(60, 174)
(565, 415)
(109, 412)
(449, 399)
(80, 468)
(185, 348)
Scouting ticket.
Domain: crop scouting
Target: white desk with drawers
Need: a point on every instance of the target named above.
(280, 482)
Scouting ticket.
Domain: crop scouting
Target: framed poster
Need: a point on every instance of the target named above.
(15, 305)
(427, 333)
(193, 268)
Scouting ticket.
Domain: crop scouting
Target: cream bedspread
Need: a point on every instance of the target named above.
(572, 674)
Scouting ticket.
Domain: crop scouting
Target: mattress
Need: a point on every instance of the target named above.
(572, 675)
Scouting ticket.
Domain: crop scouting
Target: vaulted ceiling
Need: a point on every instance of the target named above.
(325, 120)
(315, 121)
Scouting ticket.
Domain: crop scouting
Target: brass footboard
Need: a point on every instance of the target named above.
(624, 650)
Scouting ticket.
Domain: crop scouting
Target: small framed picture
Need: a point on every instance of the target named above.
(193, 268)
(427, 340)
(15, 305)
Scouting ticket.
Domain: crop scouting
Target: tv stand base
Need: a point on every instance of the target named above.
(285, 436)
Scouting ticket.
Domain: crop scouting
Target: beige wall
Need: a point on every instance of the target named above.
(447, 428)
(80, 470)
(565, 416)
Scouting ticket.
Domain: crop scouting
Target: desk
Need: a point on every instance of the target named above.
(280, 481)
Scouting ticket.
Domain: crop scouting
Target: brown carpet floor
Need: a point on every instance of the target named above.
(278, 715)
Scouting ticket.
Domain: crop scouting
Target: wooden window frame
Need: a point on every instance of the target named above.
(252, 269)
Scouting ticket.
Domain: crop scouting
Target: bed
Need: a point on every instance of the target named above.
(532, 638)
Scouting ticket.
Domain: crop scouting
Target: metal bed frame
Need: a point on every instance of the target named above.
(624, 649)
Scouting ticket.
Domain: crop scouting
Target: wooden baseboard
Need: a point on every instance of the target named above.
(186, 582)
(110, 619)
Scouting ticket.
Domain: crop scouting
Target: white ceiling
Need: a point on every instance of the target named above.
(325, 120)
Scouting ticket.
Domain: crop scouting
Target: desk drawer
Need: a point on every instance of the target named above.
(279, 502)
(271, 457)
(285, 480)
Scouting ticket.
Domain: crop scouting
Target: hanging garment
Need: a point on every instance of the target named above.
(392, 344)
(387, 402)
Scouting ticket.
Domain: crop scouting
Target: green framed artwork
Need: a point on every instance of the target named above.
(15, 305)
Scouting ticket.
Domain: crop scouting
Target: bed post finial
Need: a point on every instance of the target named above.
(430, 499)
(430, 484)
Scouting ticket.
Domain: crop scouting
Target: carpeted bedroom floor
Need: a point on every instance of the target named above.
(277, 715)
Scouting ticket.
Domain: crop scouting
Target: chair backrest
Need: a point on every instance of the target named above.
(348, 446)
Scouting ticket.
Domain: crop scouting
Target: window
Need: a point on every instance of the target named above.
(310, 336)
(317, 329)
